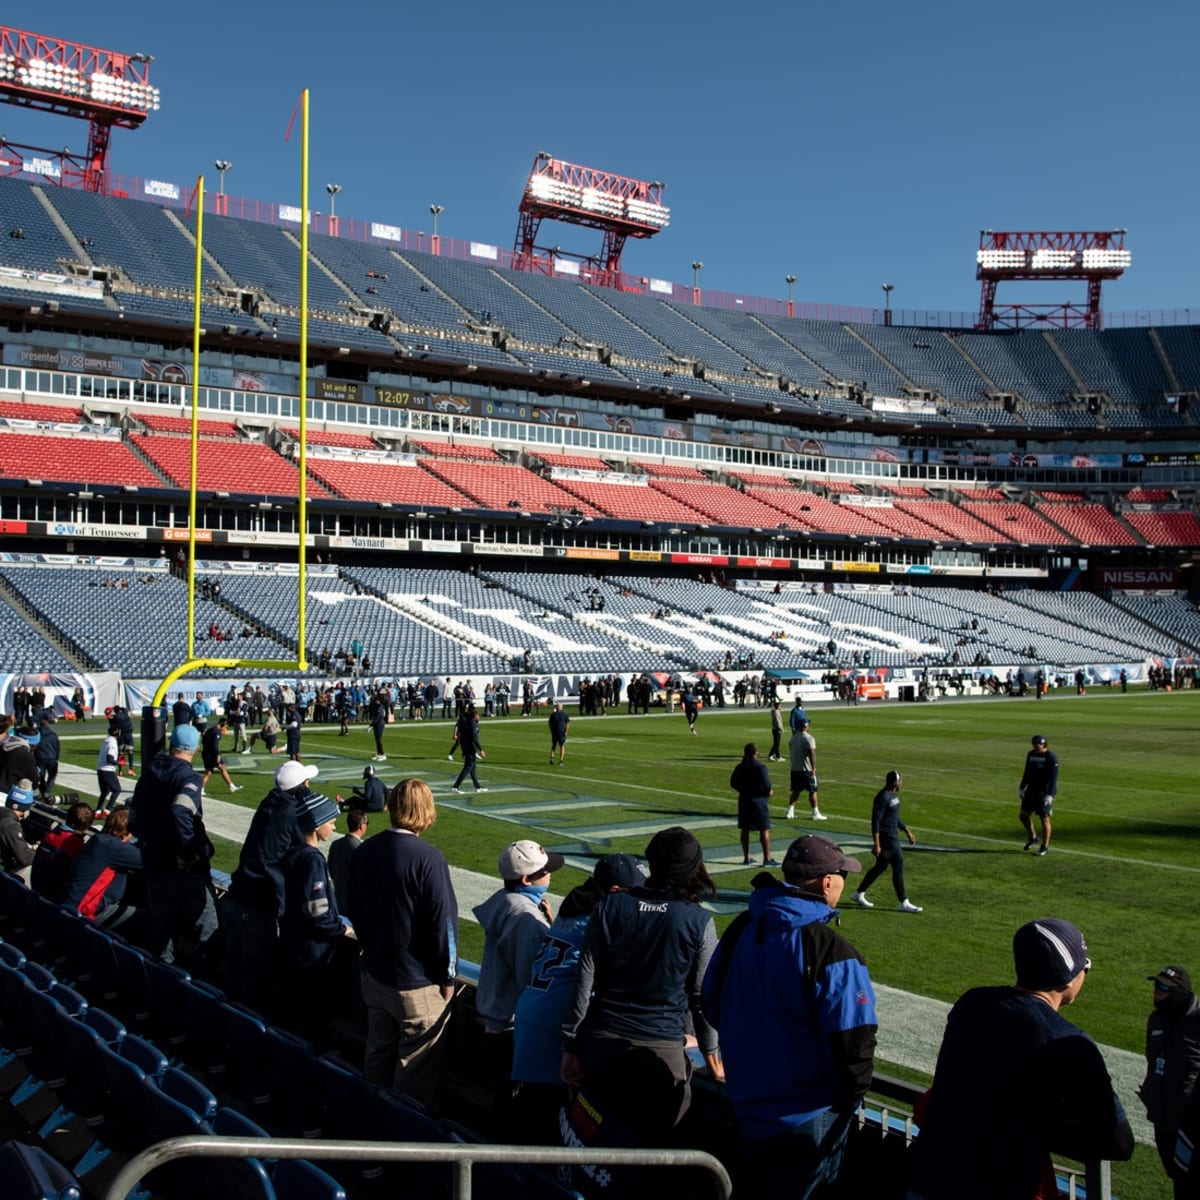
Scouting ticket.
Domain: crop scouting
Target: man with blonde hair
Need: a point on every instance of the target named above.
(405, 914)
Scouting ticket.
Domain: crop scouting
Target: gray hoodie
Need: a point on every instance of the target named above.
(514, 927)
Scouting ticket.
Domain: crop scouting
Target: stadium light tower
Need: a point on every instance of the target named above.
(561, 191)
(697, 267)
(222, 165)
(1088, 257)
(888, 289)
(435, 244)
(103, 87)
(791, 308)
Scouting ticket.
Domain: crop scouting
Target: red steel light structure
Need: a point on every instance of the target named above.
(561, 191)
(103, 87)
(1089, 257)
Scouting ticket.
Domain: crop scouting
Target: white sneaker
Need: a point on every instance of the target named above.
(818, 815)
(861, 900)
(909, 906)
(457, 791)
(481, 789)
(791, 815)
(449, 757)
(236, 787)
(246, 751)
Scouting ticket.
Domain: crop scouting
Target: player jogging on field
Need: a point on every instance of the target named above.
(1037, 789)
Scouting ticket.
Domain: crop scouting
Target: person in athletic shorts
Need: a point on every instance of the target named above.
(1039, 784)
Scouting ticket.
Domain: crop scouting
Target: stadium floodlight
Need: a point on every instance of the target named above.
(105, 88)
(1087, 257)
(333, 189)
(222, 165)
(619, 206)
(436, 210)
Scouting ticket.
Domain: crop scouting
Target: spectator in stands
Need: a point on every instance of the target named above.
(108, 771)
(886, 827)
(643, 959)
(514, 921)
(57, 852)
(96, 886)
(802, 755)
(752, 783)
(18, 757)
(167, 818)
(537, 1022)
(796, 1012)
(559, 724)
(46, 754)
(254, 903)
(342, 851)
(471, 748)
(311, 931)
(1172, 1062)
(1037, 789)
(405, 914)
(210, 752)
(181, 711)
(1016, 1081)
(16, 854)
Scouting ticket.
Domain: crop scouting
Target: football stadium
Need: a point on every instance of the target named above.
(332, 504)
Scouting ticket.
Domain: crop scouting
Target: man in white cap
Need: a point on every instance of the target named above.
(1015, 1081)
(252, 908)
(514, 922)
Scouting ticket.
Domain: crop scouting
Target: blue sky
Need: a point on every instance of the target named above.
(847, 144)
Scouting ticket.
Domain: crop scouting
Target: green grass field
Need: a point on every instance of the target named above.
(1122, 865)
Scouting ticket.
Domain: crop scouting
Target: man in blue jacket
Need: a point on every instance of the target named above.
(795, 1009)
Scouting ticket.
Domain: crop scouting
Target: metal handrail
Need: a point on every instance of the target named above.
(463, 1157)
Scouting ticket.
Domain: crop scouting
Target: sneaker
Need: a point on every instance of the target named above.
(552, 760)
(861, 900)
(457, 791)
(477, 790)
(909, 906)
(747, 862)
(1043, 851)
(770, 862)
(791, 815)
(236, 787)
(246, 751)
(1029, 845)
(449, 757)
(379, 758)
(818, 815)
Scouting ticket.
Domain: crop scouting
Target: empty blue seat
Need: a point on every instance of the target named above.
(29, 1173)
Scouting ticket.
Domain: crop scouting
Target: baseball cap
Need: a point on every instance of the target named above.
(527, 858)
(812, 856)
(292, 774)
(1168, 977)
(618, 871)
(1038, 740)
(1049, 953)
(21, 796)
(314, 810)
(185, 737)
